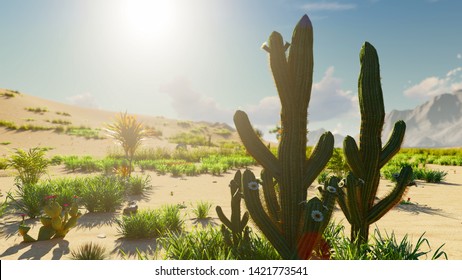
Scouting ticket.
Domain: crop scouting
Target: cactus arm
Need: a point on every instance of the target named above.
(253, 144)
(261, 218)
(343, 205)
(354, 198)
(393, 198)
(394, 143)
(244, 221)
(301, 61)
(353, 157)
(269, 192)
(319, 158)
(223, 218)
(280, 67)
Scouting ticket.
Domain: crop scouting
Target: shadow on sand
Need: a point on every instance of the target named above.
(39, 249)
(415, 208)
(91, 220)
(130, 248)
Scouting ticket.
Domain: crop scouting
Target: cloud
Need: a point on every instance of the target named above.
(459, 56)
(86, 100)
(328, 6)
(192, 105)
(328, 101)
(433, 86)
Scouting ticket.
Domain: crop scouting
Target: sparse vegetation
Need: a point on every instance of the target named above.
(30, 165)
(202, 209)
(89, 251)
(37, 110)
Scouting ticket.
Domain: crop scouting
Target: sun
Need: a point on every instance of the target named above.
(148, 19)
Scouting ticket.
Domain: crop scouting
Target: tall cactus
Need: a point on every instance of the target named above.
(236, 224)
(291, 223)
(365, 162)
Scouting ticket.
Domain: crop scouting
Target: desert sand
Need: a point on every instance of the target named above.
(436, 211)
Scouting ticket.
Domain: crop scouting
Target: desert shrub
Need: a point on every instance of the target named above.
(189, 139)
(202, 209)
(37, 110)
(30, 165)
(89, 251)
(3, 163)
(208, 244)
(3, 207)
(151, 223)
(8, 125)
(379, 248)
(137, 185)
(102, 194)
(83, 131)
(30, 199)
(83, 164)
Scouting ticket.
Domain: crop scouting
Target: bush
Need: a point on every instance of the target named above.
(380, 248)
(89, 251)
(208, 244)
(137, 185)
(151, 223)
(31, 165)
(202, 209)
(30, 199)
(102, 194)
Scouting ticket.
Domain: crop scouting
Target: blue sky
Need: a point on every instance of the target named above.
(202, 59)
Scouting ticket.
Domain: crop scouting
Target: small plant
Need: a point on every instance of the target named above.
(31, 165)
(102, 194)
(37, 110)
(30, 199)
(202, 209)
(151, 223)
(129, 133)
(89, 251)
(8, 125)
(3, 207)
(137, 185)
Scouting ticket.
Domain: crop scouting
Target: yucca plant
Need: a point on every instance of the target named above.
(129, 132)
(89, 251)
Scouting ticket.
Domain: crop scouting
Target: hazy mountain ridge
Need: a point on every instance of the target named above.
(436, 123)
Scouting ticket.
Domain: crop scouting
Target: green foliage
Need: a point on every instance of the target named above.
(8, 125)
(30, 165)
(151, 223)
(202, 209)
(137, 185)
(89, 251)
(3, 207)
(80, 131)
(102, 194)
(379, 248)
(208, 244)
(37, 110)
(63, 114)
(189, 139)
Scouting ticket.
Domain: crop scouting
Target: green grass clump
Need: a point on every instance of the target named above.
(189, 139)
(202, 209)
(137, 185)
(30, 199)
(208, 244)
(63, 114)
(60, 121)
(380, 247)
(30, 165)
(89, 251)
(83, 131)
(151, 223)
(31, 127)
(5, 143)
(102, 194)
(37, 110)
(8, 125)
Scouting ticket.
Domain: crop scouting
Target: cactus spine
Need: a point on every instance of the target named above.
(366, 161)
(287, 218)
(236, 226)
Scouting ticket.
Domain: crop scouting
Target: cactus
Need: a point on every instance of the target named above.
(365, 162)
(287, 219)
(55, 224)
(236, 226)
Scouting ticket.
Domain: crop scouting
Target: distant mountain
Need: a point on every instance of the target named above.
(436, 123)
(313, 137)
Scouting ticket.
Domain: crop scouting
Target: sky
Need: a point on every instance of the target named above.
(202, 59)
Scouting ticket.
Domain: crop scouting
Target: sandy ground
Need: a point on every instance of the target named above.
(437, 213)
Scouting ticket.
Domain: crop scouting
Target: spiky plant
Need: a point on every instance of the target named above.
(30, 165)
(89, 251)
(129, 133)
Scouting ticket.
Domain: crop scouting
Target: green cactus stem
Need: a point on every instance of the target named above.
(236, 225)
(284, 220)
(365, 161)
